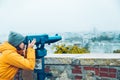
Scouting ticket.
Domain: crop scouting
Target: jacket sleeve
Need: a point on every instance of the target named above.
(19, 61)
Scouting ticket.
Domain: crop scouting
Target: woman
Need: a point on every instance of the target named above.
(11, 58)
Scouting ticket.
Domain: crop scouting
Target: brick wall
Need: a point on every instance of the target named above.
(74, 72)
(65, 68)
(79, 72)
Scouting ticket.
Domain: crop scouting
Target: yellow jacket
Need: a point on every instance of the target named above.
(11, 61)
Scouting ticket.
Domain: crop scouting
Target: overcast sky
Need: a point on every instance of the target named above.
(43, 16)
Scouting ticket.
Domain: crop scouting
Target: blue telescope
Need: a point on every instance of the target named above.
(40, 51)
(42, 39)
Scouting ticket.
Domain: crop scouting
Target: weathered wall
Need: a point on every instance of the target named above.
(69, 67)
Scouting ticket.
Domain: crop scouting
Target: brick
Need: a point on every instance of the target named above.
(89, 68)
(96, 71)
(76, 71)
(96, 68)
(104, 74)
(77, 67)
(104, 69)
(47, 69)
(27, 75)
(78, 77)
(112, 70)
(112, 75)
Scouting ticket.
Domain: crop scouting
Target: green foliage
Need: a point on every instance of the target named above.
(116, 51)
(62, 49)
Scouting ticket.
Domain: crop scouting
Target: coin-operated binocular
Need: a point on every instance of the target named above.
(40, 50)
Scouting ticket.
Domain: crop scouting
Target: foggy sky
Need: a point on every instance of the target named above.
(43, 16)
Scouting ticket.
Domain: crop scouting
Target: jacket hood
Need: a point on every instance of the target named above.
(6, 46)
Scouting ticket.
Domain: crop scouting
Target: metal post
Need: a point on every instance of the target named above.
(41, 72)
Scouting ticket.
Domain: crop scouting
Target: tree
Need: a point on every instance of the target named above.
(116, 51)
(63, 49)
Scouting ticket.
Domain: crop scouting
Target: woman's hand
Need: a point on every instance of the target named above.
(31, 45)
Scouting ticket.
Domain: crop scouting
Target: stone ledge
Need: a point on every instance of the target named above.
(83, 59)
(79, 67)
